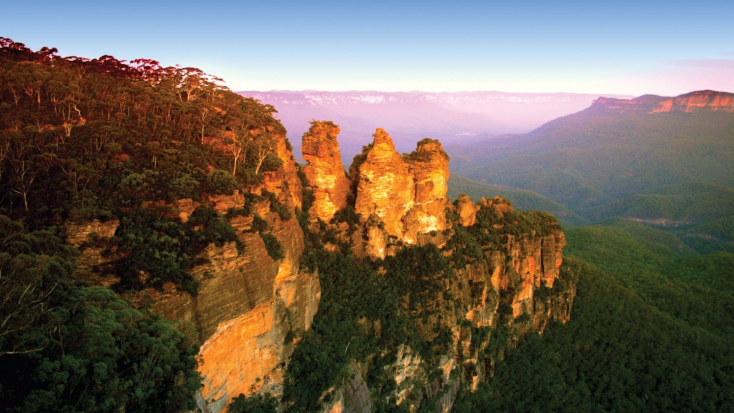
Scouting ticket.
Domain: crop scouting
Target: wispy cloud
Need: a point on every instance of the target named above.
(705, 63)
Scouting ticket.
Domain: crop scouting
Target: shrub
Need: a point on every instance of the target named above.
(273, 246)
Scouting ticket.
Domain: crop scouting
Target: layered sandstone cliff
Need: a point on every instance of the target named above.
(400, 198)
(324, 170)
(704, 100)
(250, 309)
(514, 287)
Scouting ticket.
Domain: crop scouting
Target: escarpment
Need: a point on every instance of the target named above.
(324, 170)
(457, 283)
(251, 306)
(189, 205)
(699, 101)
(479, 276)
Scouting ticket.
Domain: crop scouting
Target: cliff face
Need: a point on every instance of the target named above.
(401, 201)
(512, 290)
(250, 309)
(704, 100)
(324, 170)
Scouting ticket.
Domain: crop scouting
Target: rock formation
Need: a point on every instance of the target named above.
(385, 184)
(703, 100)
(466, 210)
(405, 194)
(430, 167)
(324, 170)
(250, 309)
(509, 286)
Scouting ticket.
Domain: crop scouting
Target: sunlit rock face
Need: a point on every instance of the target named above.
(284, 182)
(520, 273)
(246, 307)
(250, 310)
(324, 170)
(430, 167)
(466, 210)
(385, 185)
(703, 100)
(407, 193)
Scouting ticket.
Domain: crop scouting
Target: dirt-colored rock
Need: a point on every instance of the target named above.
(466, 210)
(385, 185)
(324, 170)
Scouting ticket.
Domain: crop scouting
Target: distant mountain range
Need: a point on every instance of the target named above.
(411, 116)
(664, 161)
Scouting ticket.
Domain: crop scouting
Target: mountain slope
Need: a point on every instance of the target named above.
(520, 198)
(605, 153)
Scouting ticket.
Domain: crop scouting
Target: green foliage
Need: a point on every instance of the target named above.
(362, 312)
(259, 224)
(159, 248)
(221, 182)
(106, 135)
(618, 353)
(253, 404)
(524, 199)
(283, 211)
(650, 331)
(67, 347)
(273, 246)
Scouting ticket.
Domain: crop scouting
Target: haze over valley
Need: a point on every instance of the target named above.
(458, 117)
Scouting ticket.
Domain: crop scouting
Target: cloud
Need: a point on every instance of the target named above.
(705, 63)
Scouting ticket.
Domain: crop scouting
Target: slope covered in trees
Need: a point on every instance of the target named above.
(601, 163)
(108, 140)
(650, 331)
(88, 139)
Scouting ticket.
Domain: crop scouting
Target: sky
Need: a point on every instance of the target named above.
(614, 47)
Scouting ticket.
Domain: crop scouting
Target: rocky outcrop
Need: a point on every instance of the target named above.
(250, 309)
(466, 211)
(385, 185)
(430, 167)
(703, 100)
(324, 170)
(405, 195)
(514, 287)
(284, 182)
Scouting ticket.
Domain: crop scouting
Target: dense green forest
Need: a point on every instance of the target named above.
(651, 330)
(365, 316)
(528, 200)
(651, 324)
(84, 139)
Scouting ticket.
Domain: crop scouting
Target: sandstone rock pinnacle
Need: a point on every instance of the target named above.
(324, 170)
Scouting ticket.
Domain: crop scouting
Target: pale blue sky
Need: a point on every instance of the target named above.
(628, 47)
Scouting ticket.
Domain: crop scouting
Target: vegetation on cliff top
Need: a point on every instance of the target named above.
(82, 139)
(116, 141)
